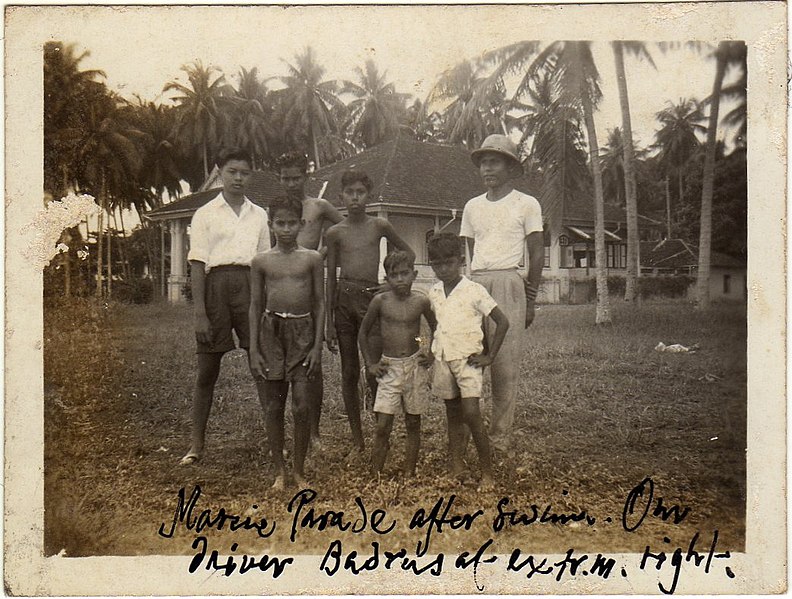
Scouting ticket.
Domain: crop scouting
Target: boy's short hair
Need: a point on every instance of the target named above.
(285, 203)
(351, 176)
(444, 245)
(291, 159)
(226, 155)
(398, 258)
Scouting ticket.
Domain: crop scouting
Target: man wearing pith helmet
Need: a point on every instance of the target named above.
(503, 231)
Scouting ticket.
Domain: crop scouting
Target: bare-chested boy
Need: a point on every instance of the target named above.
(403, 381)
(353, 244)
(286, 319)
(318, 214)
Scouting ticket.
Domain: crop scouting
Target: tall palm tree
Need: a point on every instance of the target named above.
(109, 159)
(576, 79)
(727, 54)
(250, 118)
(737, 116)
(677, 140)
(374, 113)
(158, 150)
(478, 104)
(308, 101)
(639, 50)
(554, 142)
(199, 107)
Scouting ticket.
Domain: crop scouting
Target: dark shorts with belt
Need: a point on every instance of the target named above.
(284, 344)
(353, 297)
(227, 299)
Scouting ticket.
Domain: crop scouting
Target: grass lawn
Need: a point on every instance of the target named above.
(599, 410)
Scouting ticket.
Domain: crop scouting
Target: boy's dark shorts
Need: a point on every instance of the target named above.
(284, 344)
(353, 297)
(227, 299)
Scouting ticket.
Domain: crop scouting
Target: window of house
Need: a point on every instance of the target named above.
(726, 284)
(547, 256)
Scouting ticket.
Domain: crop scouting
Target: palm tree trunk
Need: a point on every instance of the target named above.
(109, 259)
(603, 304)
(668, 207)
(629, 177)
(315, 146)
(123, 247)
(681, 186)
(705, 234)
(205, 162)
(163, 289)
(99, 257)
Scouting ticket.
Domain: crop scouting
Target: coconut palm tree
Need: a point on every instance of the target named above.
(677, 140)
(726, 54)
(576, 80)
(199, 105)
(375, 112)
(639, 50)
(158, 150)
(307, 102)
(250, 117)
(478, 104)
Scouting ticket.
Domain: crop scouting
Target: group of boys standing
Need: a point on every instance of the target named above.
(273, 295)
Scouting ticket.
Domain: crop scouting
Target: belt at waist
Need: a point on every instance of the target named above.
(392, 360)
(359, 283)
(286, 314)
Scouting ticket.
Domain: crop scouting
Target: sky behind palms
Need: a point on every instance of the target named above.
(408, 43)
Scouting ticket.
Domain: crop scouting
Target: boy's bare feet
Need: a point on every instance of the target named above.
(316, 443)
(192, 457)
(279, 484)
(301, 481)
(487, 483)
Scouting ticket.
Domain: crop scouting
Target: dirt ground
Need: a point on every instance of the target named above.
(599, 411)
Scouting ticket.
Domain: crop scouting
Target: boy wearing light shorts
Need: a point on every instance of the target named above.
(402, 379)
(460, 306)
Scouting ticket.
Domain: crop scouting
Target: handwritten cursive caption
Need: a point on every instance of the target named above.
(384, 534)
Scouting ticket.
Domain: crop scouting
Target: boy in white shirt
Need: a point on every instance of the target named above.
(225, 234)
(460, 306)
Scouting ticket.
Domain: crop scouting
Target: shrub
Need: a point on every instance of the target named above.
(652, 286)
(135, 291)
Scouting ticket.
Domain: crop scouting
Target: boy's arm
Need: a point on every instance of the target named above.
(375, 368)
(254, 315)
(330, 216)
(431, 320)
(198, 281)
(501, 326)
(332, 259)
(534, 246)
(318, 304)
(396, 241)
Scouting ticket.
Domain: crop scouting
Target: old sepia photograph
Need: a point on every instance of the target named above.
(395, 299)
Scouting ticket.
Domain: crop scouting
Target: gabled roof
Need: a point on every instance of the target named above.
(676, 253)
(263, 187)
(408, 172)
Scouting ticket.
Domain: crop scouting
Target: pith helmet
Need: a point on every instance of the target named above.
(500, 144)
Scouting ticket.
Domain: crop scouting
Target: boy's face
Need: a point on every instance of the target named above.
(235, 175)
(355, 196)
(495, 169)
(447, 268)
(400, 278)
(293, 180)
(285, 225)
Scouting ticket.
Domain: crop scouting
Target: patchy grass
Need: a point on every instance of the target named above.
(598, 411)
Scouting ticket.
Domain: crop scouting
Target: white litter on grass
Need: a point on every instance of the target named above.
(676, 348)
(163, 449)
(714, 439)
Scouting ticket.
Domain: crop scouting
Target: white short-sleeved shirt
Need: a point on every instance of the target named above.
(499, 229)
(218, 237)
(459, 316)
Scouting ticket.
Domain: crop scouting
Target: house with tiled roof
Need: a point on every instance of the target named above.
(728, 275)
(422, 188)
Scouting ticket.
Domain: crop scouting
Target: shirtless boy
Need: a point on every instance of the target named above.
(318, 215)
(286, 319)
(403, 382)
(353, 244)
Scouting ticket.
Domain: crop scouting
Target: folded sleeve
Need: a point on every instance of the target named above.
(199, 239)
(264, 234)
(532, 215)
(485, 301)
(466, 227)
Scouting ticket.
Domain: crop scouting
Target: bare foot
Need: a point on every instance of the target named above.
(192, 457)
(316, 443)
(457, 470)
(300, 481)
(279, 484)
(487, 483)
